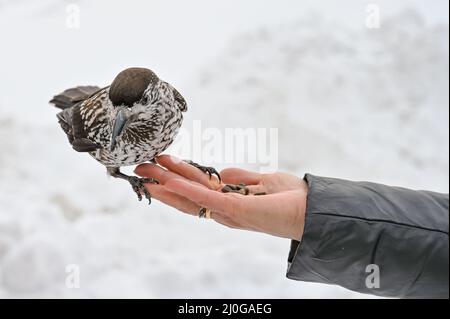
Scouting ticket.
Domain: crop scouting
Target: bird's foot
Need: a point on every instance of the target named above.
(138, 185)
(228, 188)
(205, 169)
(240, 189)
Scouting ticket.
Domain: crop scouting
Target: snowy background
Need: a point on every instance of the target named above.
(348, 101)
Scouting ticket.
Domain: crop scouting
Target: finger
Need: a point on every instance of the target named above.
(145, 170)
(169, 198)
(159, 173)
(216, 201)
(238, 176)
(155, 171)
(188, 171)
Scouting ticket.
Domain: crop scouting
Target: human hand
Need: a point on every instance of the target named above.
(279, 212)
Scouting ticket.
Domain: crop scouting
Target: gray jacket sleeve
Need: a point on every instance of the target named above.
(375, 239)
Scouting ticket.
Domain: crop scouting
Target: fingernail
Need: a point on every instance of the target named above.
(139, 170)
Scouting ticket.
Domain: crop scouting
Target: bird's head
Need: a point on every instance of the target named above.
(129, 96)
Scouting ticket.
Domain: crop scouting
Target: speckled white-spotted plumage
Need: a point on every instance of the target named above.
(127, 123)
(151, 131)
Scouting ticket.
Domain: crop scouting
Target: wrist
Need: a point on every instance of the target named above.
(298, 222)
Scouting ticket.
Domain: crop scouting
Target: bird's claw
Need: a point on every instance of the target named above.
(205, 169)
(138, 185)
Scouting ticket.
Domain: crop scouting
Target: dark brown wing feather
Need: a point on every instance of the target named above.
(70, 117)
(72, 96)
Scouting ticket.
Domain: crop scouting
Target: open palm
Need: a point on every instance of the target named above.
(275, 203)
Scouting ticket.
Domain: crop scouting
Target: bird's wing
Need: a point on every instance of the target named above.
(71, 118)
(72, 96)
(71, 123)
(84, 145)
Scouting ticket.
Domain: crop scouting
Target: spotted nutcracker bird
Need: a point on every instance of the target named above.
(127, 123)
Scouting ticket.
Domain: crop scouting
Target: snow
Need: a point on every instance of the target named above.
(350, 102)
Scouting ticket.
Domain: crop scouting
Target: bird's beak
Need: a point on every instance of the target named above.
(119, 124)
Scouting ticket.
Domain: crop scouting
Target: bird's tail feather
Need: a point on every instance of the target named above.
(72, 96)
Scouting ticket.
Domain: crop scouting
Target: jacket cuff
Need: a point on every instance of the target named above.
(352, 226)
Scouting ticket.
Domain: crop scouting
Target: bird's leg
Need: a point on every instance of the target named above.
(205, 169)
(137, 183)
